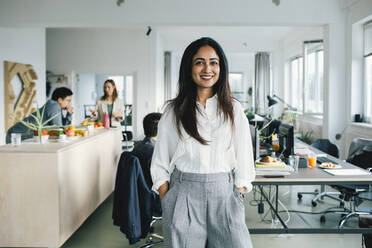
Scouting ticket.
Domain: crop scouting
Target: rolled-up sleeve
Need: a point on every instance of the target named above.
(165, 146)
(244, 171)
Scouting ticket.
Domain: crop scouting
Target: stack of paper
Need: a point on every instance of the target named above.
(347, 172)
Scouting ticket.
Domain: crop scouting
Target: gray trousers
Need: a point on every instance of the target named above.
(201, 207)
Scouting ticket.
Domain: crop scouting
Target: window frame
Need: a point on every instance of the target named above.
(300, 82)
(367, 93)
(304, 77)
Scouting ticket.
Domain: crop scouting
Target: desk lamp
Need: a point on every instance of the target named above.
(272, 102)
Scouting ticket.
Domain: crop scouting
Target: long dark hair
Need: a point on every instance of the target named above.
(114, 94)
(184, 105)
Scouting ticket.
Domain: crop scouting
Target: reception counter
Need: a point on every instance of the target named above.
(48, 190)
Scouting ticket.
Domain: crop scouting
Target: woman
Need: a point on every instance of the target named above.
(203, 160)
(109, 103)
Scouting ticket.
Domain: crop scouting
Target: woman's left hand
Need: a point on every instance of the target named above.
(241, 190)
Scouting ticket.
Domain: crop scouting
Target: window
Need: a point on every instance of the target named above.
(237, 85)
(305, 77)
(295, 82)
(368, 71)
(313, 75)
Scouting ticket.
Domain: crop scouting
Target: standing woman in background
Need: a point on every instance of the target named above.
(203, 159)
(109, 103)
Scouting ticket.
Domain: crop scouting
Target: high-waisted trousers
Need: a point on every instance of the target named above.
(201, 208)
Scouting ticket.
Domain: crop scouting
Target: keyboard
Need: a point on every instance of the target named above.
(325, 160)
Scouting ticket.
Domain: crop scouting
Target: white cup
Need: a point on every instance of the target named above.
(90, 129)
(44, 139)
(16, 139)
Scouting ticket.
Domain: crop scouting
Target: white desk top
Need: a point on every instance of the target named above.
(316, 175)
(54, 147)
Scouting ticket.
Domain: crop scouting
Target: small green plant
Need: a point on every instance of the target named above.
(39, 125)
(260, 131)
(288, 117)
(306, 136)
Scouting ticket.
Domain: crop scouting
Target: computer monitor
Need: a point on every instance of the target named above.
(255, 142)
(271, 127)
(286, 139)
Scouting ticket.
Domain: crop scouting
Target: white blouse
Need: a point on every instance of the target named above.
(226, 151)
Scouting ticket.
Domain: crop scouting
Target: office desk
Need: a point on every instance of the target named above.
(308, 176)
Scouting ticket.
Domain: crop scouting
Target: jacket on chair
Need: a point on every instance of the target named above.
(132, 209)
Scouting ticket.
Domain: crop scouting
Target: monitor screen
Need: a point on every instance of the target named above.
(286, 139)
(255, 142)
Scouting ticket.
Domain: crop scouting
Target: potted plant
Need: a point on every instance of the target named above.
(39, 126)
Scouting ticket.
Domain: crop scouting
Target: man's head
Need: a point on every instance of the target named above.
(150, 124)
(62, 95)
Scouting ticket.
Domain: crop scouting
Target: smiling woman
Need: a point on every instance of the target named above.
(201, 166)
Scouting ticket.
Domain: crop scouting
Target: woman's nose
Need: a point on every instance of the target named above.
(206, 68)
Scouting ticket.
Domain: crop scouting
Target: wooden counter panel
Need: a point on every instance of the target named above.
(46, 196)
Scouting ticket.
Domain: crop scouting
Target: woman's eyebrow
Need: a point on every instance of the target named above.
(204, 59)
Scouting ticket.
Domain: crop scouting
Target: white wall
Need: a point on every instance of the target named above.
(109, 52)
(85, 93)
(27, 46)
(159, 71)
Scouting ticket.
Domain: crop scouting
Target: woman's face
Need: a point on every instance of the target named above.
(109, 88)
(205, 67)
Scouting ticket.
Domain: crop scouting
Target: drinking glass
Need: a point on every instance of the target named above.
(16, 139)
(311, 160)
(293, 162)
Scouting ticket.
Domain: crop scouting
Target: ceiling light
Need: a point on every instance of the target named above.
(276, 2)
(119, 2)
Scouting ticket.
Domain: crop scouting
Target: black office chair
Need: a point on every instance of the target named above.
(127, 145)
(326, 146)
(360, 154)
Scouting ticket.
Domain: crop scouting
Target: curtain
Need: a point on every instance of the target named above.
(262, 82)
(167, 76)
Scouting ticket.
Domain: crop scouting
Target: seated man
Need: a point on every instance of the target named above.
(61, 99)
(144, 149)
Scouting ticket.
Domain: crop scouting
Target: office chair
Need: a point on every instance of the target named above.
(360, 154)
(326, 146)
(135, 207)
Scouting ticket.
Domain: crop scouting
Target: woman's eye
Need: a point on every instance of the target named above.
(199, 63)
